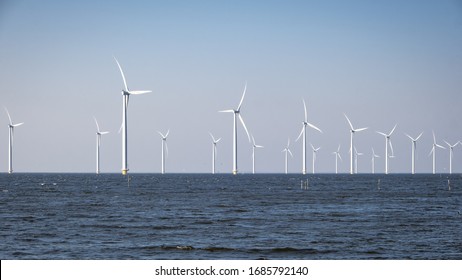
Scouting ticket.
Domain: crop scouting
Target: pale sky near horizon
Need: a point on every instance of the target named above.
(380, 62)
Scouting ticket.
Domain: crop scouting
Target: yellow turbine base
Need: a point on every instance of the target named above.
(124, 171)
(234, 172)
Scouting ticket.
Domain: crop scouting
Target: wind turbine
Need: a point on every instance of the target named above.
(315, 150)
(433, 151)
(253, 153)
(214, 151)
(451, 154)
(287, 151)
(356, 160)
(164, 148)
(373, 160)
(414, 146)
(387, 143)
(303, 131)
(11, 127)
(126, 96)
(237, 114)
(352, 130)
(98, 143)
(337, 156)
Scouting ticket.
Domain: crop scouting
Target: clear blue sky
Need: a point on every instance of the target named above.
(381, 62)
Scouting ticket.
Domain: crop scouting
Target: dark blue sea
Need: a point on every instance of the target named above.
(200, 216)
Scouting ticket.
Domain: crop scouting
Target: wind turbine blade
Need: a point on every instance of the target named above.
(166, 135)
(104, 132)
(409, 137)
(245, 128)
(120, 128)
(391, 132)
(97, 126)
(434, 138)
(312, 126)
(8, 113)
(18, 124)
(258, 146)
(138, 92)
(439, 146)
(450, 146)
(122, 72)
(301, 132)
(304, 107)
(218, 140)
(213, 138)
(253, 140)
(290, 153)
(391, 147)
(431, 151)
(338, 149)
(361, 129)
(419, 136)
(242, 98)
(288, 142)
(312, 147)
(339, 157)
(161, 135)
(226, 111)
(381, 133)
(349, 122)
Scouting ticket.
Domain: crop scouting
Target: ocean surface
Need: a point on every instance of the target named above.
(204, 216)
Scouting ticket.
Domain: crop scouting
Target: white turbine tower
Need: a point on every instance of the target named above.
(337, 156)
(356, 160)
(253, 153)
(287, 151)
(433, 151)
(303, 132)
(126, 96)
(414, 146)
(11, 127)
(164, 149)
(214, 151)
(374, 156)
(315, 150)
(352, 132)
(451, 154)
(98, 143)
(387, 143)
(237, 113)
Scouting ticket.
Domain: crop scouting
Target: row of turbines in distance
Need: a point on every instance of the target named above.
(126, 93)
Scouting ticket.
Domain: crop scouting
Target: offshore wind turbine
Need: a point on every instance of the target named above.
(315, 150)
(414, 146)
(303, 132)
(337, 156)
(11, 127)
(164, 149)
(98, 143)
(356, 160)
(451, 154)
(352, 132)
(253, 153)
(126, 96)
(374, 156)
(433, 151)
(237, 114)
(214, 151)
(287, 151)
(387, 143)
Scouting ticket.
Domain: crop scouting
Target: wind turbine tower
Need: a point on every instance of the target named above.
(352, 132)
(451, 154)
(237, 114)
(414, 146)
(433, 151)
(11, 127)
(387, 143)
(164, 149)
(98, 144)
(126, 96)
(303, 132)
(214, 151)
(287, 151)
